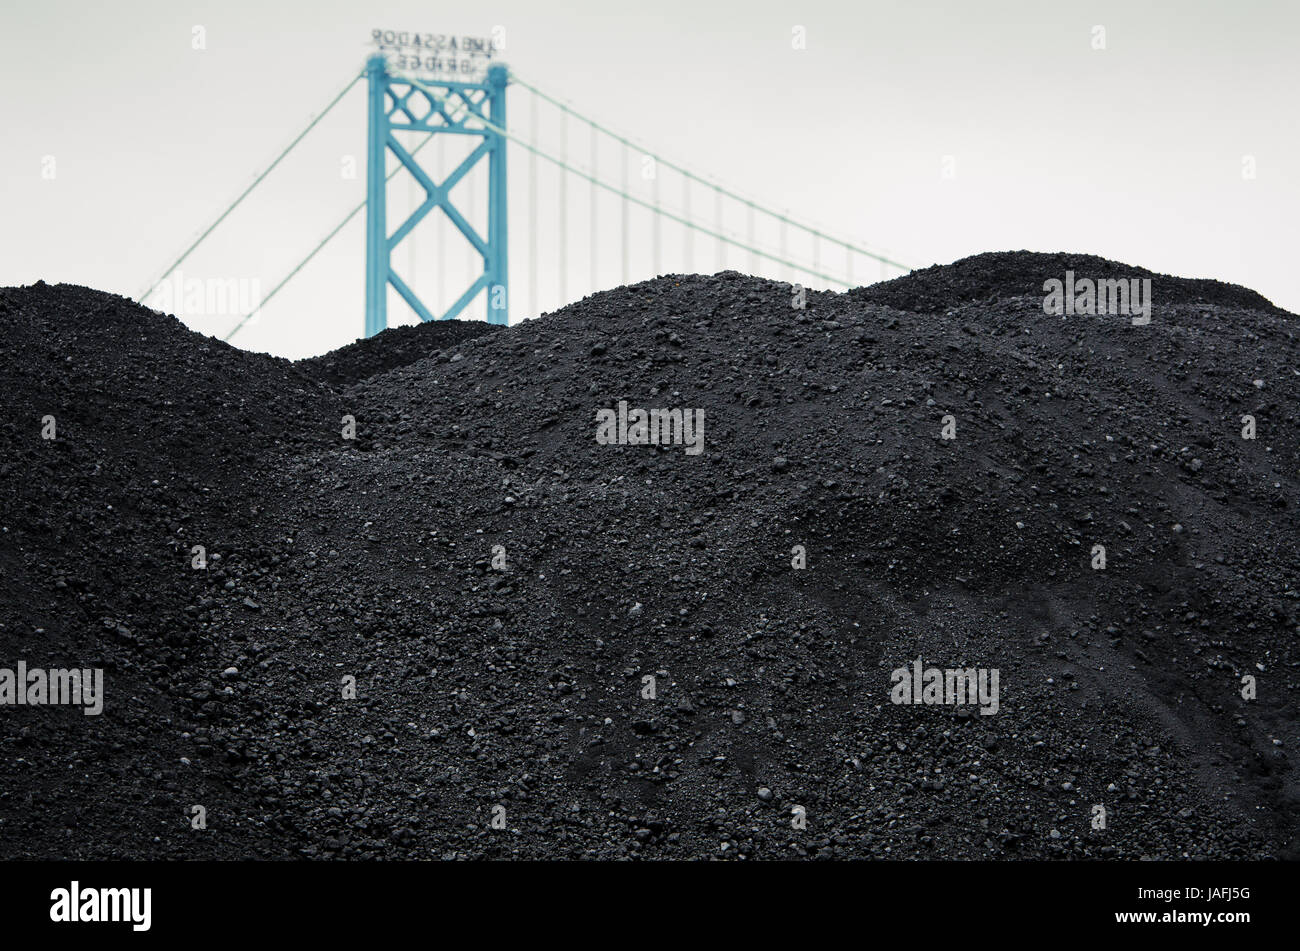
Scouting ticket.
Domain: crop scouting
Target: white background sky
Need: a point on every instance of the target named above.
(1134, 152)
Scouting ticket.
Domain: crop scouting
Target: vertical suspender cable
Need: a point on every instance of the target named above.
(564, 207)
(625, 207)
(783, 249)
(532, 210)
(753, 260)
(591, 237)
(720, 251)
(688, 238)
(657, 224)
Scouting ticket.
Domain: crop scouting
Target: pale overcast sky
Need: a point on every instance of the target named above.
(122, 140)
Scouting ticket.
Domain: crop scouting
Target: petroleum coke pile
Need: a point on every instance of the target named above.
(477, 630)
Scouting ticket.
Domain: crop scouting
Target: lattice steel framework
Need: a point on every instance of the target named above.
(455, 108)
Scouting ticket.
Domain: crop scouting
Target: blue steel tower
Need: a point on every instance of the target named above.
(444, 107)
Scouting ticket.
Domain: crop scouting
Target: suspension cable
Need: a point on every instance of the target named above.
(627, 197)
(753, 206)
(257, 181)
(314, 251)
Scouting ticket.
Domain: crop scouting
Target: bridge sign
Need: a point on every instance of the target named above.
(436, 54)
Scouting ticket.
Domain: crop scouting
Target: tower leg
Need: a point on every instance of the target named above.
(376, 196)
(498, 220)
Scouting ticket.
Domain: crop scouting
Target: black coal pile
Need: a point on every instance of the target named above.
(1006, 275)
(395, 347)
(477, 630)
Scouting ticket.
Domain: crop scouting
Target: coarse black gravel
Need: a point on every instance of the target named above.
(400, 345)
(518, 694)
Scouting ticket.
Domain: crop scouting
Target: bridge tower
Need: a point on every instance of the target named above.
(439, 107)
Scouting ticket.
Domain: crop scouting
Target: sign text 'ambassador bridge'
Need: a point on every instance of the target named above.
(451, 91)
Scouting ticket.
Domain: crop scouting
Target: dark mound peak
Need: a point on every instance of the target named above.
(677, 301)
(65, 321)
(999, 275)
(394, 347)
(75, 313)
(140, 380)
